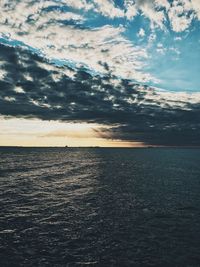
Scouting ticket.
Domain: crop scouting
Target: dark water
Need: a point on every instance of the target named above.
(99, 207)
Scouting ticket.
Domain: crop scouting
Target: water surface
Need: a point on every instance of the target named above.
(99, 207)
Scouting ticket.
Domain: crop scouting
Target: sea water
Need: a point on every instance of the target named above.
(99, 207)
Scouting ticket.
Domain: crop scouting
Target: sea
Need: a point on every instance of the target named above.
(66, 207)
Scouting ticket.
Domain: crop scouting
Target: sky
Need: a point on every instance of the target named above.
(100, 73)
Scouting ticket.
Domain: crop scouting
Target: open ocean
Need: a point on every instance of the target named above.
(99, 207)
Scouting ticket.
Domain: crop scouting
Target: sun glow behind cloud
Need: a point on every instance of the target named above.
(39, 133)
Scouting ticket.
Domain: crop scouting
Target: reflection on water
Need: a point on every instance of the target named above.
(99, 207)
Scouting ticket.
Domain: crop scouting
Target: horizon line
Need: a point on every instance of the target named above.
(130, 147)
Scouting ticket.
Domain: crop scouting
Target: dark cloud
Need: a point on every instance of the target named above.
(29, 89)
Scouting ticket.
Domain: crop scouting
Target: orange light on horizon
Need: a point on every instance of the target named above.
(34, 133)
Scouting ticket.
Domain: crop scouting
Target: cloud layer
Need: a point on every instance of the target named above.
(33, 88)
(58, 33)
(63, 31)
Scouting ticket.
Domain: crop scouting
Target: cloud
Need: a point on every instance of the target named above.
(131, 112)
(130, 9)
(146, 8)
(141, 33)
(59, 32)
(196, 7)
(179, 16)
(162, 4)
(108, 9)
(60, 35)
(179, 13)
(22, 14)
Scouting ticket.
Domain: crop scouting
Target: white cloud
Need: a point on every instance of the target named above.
(130, 9)
(2, 74)
(9, 99)
(180, 12)
(151, 39)
(74, 44)
(175, 50)
(107, 8)
(179, 17)
(178, 38)
(160, 49)
(78, 4)
(171, 99)
(141, 33)
(29, 23)
(19, 90)
(196, 7)
(157, 18)
(146, 8)
(191, 6)
(162, 3)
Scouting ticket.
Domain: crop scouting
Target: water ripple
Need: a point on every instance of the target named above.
(99, 207)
